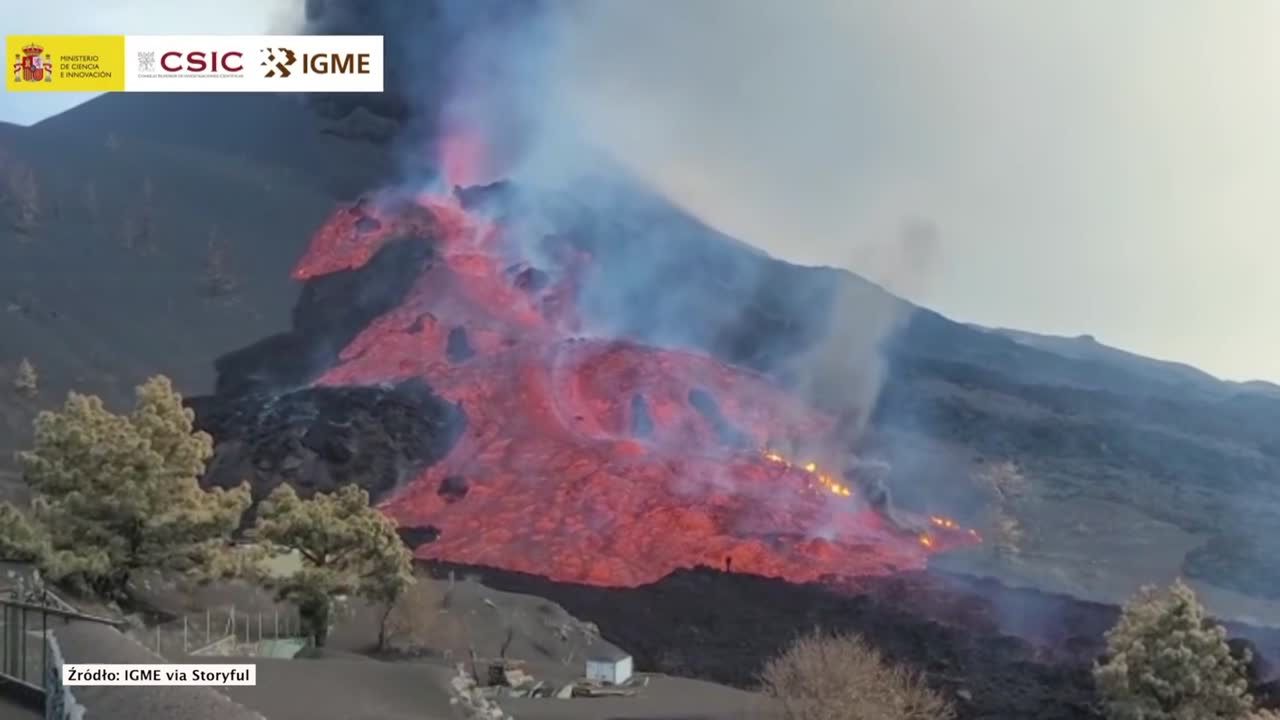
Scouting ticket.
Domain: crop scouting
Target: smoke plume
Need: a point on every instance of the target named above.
(667, 125)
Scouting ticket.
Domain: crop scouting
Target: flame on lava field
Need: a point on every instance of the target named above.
(949, 524)
(951, 528)
(821, 478)
(590, 460)
(825, 481)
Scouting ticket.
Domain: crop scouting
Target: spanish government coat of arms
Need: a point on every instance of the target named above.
(32, 65)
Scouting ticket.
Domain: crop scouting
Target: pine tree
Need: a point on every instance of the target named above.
(20, 539)
(1166, 661)
(117, 494)
(345, 545)
(26, 381)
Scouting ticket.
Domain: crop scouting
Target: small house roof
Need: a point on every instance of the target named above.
(607, 654)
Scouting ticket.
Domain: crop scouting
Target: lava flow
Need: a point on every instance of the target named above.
(594, 460)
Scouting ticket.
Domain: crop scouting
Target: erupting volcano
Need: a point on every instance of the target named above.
(586, 459)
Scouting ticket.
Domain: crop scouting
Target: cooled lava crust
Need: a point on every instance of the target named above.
(593, 460)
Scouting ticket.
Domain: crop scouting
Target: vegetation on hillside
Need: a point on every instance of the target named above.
(1166, 661)
(1005, 485)
(20, 539)
(346, 547)
(218, 280)
(25, 380)
(841, 677)
(20, 196)
(115, 494)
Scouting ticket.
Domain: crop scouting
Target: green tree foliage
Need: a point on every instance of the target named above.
(1166, 661)
(346, 547)
(25, 381)
(119, 493)
(20, 539)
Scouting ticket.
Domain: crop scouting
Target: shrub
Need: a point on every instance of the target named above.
(840, 677)
(420, 619)
(1166, 661)
(411, 616)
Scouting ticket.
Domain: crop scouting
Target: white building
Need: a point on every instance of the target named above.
(609, 665)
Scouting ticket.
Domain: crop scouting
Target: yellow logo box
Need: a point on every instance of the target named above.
(65, 63)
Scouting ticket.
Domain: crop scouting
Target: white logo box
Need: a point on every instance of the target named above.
(254, 63)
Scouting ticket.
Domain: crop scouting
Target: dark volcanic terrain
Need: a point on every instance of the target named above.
(128, 248)
(150, 233)
(723, 627)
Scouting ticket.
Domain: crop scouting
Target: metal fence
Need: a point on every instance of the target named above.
(29, 613)
(222, 631)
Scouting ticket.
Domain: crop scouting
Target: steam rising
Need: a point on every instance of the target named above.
(720, 109)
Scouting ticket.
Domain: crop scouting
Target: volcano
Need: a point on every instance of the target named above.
(592, 459)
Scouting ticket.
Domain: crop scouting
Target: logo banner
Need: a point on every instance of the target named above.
(65, 63)
(195, 63)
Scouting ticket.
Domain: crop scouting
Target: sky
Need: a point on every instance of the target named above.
(1060, 166)
(132, 17)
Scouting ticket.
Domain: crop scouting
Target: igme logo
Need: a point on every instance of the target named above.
(278, 61)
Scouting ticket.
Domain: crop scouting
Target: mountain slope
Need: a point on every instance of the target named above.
(107, 281)
(112, 215)
(1176, 375)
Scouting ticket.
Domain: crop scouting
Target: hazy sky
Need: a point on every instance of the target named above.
(129, 17)
(1090, 166)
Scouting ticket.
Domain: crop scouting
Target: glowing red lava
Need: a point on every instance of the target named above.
(464, 159)
(590, 459)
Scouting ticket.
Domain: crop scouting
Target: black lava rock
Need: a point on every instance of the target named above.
(458, 347)
(641, 420)
(330, 312)
(709, 409)
(415, 537)
(453, 488)
(321, 438)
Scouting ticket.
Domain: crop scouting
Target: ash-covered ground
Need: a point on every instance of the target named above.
(706, 623)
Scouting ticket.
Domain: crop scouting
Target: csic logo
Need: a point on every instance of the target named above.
(199, 61)
(282, 62)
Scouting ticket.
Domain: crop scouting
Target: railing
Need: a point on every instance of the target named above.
(28, 614)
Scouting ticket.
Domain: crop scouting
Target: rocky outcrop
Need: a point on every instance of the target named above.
(320, 438)
(331, 310)
(270, 426)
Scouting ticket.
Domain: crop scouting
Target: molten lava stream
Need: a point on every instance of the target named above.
(599, 461)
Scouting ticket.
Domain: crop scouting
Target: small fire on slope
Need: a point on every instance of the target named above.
(820, 478)
(926, 537)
